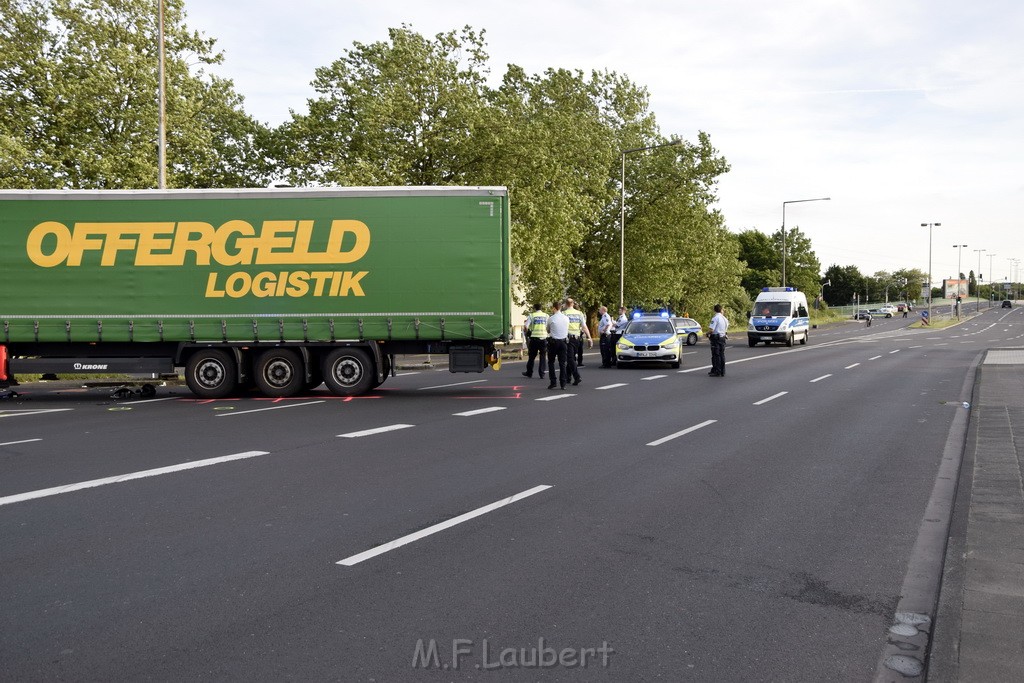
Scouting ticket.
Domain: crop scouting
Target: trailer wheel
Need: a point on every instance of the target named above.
(279, 373)
(348, 371)
(211, 373)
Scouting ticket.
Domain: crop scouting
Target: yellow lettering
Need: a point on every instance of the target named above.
(211, 287)
(263, 284)
(82, 242)
(34, 245)
(351, 283)
(243, 246)
(155, 237)
(334, 253)
(275, 237)
(298, 283)
(238, 285)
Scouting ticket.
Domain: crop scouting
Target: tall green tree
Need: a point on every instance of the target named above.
(413, 110)
(803, 270)
(846, 281)
(763, 261)
(79, 100)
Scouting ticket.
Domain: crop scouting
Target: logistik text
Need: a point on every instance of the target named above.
(233, 243)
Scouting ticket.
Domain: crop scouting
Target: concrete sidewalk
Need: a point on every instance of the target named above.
(979, 632)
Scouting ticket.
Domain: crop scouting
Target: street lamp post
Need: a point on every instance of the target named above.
(930, 226)
(622, 215)
(792, 201)
(991, 279)
(977, 280)
(959, 275)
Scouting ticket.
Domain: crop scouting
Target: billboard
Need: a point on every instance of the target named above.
(951, 289)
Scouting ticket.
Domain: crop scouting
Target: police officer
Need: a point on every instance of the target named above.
(537, 333)
(620, 327)
(577, 333)
(604, 332)
(558, 333)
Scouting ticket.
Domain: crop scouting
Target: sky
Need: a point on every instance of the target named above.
(902, 112)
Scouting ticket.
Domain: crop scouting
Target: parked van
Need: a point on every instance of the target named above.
(780, 315)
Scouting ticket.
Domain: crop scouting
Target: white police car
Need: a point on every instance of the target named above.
(649, 339)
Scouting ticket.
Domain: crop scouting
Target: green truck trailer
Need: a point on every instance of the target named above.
(280, 289)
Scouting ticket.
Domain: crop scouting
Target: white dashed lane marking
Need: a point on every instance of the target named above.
(376, 430)
(479, 411)
(694, 428)
(423, 533)
(770, 398)
(67, 488)
(818, 379)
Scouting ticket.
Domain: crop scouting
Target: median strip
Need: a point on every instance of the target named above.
(67, 488)
(423, 533)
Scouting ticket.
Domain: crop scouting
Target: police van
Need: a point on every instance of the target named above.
(780, 314)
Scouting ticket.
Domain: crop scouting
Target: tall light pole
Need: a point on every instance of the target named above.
(1015, 275)
(930, 226)
(622, 216)
(161, 173)
(977, 279)
(792, 201)
(959, 275)
(991, 279)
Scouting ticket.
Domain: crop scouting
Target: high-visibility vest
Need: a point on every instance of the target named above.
(575, 320)
(538, 325)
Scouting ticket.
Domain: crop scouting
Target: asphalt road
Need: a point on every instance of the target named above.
(651, 524)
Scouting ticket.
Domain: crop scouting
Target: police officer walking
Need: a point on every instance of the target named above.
(604, 332)
(558, 333)
(577, 333)
(537, 332)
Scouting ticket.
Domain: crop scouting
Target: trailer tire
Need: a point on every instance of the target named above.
(279, 373)
(211, 373)
(348, 371)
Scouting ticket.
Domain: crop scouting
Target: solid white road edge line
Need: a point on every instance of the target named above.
(770, 398)
(375, 430)
(423, 533)
(481, 411)
(67, 488)
(694, 428)
(260, 410)
(11, 443)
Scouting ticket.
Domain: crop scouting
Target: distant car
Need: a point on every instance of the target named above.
(888, 310)
(1007, 303)
(688, 329)
(649, 339)
(900, 307)
(881, 312)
